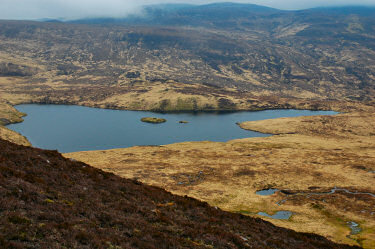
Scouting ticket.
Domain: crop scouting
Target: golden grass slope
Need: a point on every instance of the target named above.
(8, 114)
(160, 96)
(311, 154)
(13, 137)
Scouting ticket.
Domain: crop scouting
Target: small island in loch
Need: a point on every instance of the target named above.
(153, 120)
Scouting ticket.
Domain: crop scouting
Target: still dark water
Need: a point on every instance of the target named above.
(76, 128)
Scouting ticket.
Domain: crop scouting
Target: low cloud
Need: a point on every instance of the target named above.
(305, 4)
(68, 9)
(71, 9)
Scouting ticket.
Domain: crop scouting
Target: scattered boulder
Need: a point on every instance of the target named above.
(133, 75)
(4, 121)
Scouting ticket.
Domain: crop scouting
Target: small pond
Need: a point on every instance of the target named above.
(266, 192)
(280, 215)
(354, 227)
(76, 128)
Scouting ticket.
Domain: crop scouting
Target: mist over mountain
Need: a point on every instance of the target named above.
(227, 14)
(183, 14)
(70, 9)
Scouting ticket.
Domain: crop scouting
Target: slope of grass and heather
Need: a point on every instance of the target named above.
(48, 201)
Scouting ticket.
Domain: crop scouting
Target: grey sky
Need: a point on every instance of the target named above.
(70, 9)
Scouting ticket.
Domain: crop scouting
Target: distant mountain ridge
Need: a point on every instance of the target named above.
(345, 10)
(165, 14)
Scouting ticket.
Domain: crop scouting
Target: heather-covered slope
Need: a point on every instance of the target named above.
(48, 201)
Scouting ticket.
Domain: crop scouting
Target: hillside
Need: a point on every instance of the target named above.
(48, 200)
(316, 54)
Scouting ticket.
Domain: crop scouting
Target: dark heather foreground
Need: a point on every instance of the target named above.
(48, 201)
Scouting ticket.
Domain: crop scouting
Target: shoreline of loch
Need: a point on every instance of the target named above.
(123, 124)
(13, 116)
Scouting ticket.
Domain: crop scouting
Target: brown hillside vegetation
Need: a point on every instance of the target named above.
(48, 201)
